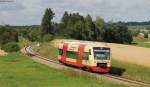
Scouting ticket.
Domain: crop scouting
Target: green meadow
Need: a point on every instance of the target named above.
(142, 42)
(17, 70)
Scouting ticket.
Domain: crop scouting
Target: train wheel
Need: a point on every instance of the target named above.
(85, 68)
(59, 61)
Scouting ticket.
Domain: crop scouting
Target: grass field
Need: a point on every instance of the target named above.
(143, 42)
(132, 71)
(129, 70)
(16, 70)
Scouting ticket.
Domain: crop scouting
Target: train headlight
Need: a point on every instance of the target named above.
(95, 61)
(108, 65)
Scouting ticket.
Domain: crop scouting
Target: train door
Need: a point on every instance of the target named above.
(86, 57)
(63, 57)
(80, 55)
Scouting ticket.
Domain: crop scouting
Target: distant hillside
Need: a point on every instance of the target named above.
(139, 27)
(136, 25)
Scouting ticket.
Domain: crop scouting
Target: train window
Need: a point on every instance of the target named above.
(101, 53)
(89, 51)
(86, 55)
(60, 52)
(72, 54)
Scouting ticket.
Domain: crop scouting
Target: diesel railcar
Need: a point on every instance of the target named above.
(93, 57)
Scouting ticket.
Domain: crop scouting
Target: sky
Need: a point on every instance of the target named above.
(30, 12)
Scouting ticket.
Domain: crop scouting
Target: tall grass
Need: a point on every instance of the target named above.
(132, 71)
(47, 49)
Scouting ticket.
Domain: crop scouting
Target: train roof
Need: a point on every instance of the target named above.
(88, 43)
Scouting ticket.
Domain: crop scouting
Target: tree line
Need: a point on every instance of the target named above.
(135, 23)
(72, 25)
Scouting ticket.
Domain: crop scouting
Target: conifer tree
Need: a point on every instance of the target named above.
(47, 25)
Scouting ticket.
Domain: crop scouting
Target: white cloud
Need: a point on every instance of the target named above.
(31, 11)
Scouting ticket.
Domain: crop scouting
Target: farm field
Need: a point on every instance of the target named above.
(19, 71)
(131, 54)
(132, 68)
(142, 42)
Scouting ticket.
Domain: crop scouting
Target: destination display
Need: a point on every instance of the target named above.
(101, 53)
(101, 49)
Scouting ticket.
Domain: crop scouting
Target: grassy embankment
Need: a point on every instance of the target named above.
(129, 70)
(143, 42)
(16, 70)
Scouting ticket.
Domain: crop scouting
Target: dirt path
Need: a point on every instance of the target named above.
(127, 53)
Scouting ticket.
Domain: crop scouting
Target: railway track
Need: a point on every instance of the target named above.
(28, 50)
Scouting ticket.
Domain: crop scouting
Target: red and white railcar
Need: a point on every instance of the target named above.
(87, 55)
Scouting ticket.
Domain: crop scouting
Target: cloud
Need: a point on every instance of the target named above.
(26, 12)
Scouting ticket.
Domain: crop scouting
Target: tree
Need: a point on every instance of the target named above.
(11, 47)
(46, 25)
(100, 29)
(74, 25)
(64, 19)
(47, 37)
(66, 23)
(23, 42)
(89, 26)
(80, 31)
(33, 35)
(109, 35)
(7, 35)
(67, 27)
(118, 33)
(145, 35)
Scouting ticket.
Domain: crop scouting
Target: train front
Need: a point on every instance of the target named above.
(101, 59)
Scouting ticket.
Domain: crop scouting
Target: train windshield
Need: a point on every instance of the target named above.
(101, 53)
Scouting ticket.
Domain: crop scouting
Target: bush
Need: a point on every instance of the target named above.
(11, 47)
(145, 35)
(47, 37)
(23, 42)
(118, 33)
